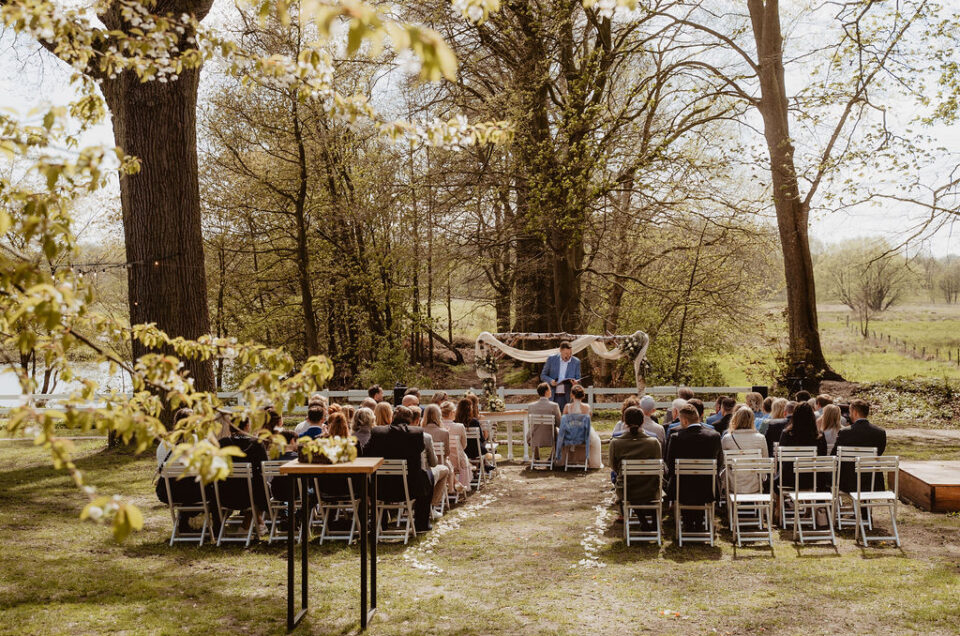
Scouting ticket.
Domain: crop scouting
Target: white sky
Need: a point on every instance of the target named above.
(31, 78)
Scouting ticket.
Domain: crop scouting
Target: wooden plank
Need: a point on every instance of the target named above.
(931, 485)
(361, 465)
(915, 491)
(934, 473)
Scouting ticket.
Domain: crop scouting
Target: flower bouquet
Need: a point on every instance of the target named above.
(631, 346)
(487, 363)
(327, 450)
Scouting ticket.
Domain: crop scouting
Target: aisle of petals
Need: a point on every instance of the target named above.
(592, 539)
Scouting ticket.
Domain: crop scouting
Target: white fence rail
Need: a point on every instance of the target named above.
(597, 397)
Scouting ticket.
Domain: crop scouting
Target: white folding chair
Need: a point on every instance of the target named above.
(171, 472)
(875, 467)
(810, 499)
(277, 508)
(727, 456)
(231, 525)
(441, 452)
(580, 421)
(787, 455)
(473, 439)
(642, 469)
(535, 421)
(691, 468)
(845, 514)
(759, 505)
(333, 507)
(454, 448)
(395, 469)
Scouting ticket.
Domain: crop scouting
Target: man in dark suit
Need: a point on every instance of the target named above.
(860, 433)
(727, 405)
(692, 440)
(559, 367)
(402, 441)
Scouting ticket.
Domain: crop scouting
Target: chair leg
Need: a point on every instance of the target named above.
(858, 529)
(833, 535)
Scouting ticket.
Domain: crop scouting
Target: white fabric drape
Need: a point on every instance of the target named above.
(596, 344)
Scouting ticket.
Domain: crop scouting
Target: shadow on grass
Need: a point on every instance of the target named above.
(526, 473)
(752, 551)
(692, 552)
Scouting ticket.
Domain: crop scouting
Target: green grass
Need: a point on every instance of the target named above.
(511, 566)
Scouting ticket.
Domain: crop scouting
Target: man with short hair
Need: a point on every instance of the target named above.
(401, 441)
(727, 405)
(822, 400)
(802, 396)
(685, 393)
(368, 403)
(540, 437)
(375, 393)
(860, 433)
(717, 412)
(776, 427)
(561, 372)
(413, 391)
(313, 425)
(647, 406)
(692, 440)
(410, 400)
(635, 444)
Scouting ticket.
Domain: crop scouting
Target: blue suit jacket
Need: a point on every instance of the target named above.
(551, 370)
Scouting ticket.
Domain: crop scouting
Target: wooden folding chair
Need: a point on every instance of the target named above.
(473, 438)
(873, 498)
(787, 455)
(810, 499)
(535, 421)
(845, 514)
(727, 456)
(277, 508)
(642, 469)
(242, 471)
(395, 469)
(174, 471)
(454, 452)
(758, 505)
(441, 452)
(690, 468)
(332, 507)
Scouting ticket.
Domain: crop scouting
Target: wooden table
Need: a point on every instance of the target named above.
(509, 418)
(363, 467)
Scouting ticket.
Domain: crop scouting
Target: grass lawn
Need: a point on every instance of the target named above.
(531, 554)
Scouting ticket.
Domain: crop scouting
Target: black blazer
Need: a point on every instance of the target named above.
(693, 442)
(860, 433)
(723, 424)
(399, 442)
(774, 431)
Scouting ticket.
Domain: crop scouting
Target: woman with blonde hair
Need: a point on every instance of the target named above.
(777, 412)
(458, 453)
(743, 436)
(829, 425)
(383, 414)
(431, 424)
(362, 423)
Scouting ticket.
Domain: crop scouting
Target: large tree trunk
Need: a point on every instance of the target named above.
(792, 214)
(156, 122)
(310, 330)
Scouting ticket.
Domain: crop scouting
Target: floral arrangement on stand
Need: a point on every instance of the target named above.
(487, 363)
(327, 450)
(491, 401)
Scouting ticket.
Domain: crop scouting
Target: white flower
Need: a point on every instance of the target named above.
(475, 13)
(95, 513)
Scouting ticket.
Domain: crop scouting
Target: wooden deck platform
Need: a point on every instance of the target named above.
(931, 485)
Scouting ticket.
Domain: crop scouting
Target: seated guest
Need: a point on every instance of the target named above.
(742, 435)
(335, 486)
(432, 419)
(692, 440)
(362, 425)
(399, 441)
(755, 401)
(829, 425)
(274, 422)
(621, 427)
(383, 414)
(860, 433)
(697, 404)
(461, 462)
(438, 398)
(634, 444)
(767, 406)
(673, 415)
(772, 427)
(727, 405)
(234, 494)
(822, 400)
(541, 436)
(442, 482)
(685, 393)
(184, 491)
(465, 416)
(801, 396)
(801, 431)
(717, 412)
(348, 412)
(410, 400)
(368, 403)
(375, 393)
(316, 414)
(647, 406)
(337, 425)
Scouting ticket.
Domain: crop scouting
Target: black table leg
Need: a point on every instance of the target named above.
(294, 619)
(304, 539)
(364, 529)
(373, 549)
(291, 515)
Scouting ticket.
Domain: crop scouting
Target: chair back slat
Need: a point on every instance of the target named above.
(695, 467)
(750, 464)
(850, 453)
(629, 467)
(395, 467)
(271, 467)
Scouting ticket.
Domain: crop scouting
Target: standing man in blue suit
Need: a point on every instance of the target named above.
(559, 367)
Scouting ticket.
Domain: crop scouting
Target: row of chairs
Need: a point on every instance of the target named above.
(336, 517)
(750, 515)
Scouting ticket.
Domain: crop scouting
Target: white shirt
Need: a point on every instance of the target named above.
(561, 374)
